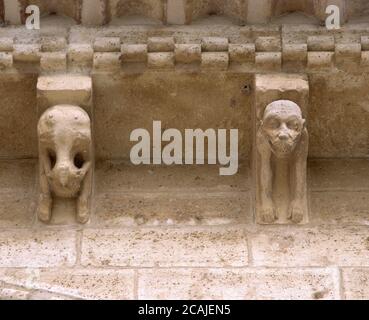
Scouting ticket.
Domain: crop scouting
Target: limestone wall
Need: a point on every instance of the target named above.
(79, 221)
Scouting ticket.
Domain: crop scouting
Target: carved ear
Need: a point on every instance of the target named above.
(303, 123)
(261, 123)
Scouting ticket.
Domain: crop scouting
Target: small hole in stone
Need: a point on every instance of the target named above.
(78, 161)
(246, 89)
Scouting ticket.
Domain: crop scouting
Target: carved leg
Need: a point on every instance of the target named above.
(298, 203)
(83, 201)
(45, 200)
(267, 211)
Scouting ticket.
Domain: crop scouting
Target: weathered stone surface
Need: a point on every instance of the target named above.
(338, 125)
(320, 246)
(356, 283)
(8, 293)
(238, 284)
(16, 210)
(19, 98)
(135, 101)
(183, 247)
(76, 283)
(6, 60)
(63, 89)
(17, 176)
(339, 207)
(53, 61)
(37, 248)
(339, 175)
(117, 176)
(117, 209)
(65, 159)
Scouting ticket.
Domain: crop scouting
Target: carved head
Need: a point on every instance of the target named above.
(282, 125)
(65, 148)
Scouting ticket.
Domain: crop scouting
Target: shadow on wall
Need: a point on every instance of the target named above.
(137, 12)
(63, 8)
(201, 10)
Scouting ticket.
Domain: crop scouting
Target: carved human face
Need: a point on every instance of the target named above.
(65, 147)
(283, 124)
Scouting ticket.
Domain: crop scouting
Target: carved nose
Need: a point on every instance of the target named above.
(63, 174)
(283, 136)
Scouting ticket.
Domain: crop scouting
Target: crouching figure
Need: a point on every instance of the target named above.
(282, 137)
(65, 159)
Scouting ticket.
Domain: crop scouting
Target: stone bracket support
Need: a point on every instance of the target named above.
(280, 148)
(66, 155)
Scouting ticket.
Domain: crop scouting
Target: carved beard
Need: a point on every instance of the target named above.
(282, 148)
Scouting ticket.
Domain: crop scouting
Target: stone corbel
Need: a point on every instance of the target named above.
(280, 148)
(66, 158)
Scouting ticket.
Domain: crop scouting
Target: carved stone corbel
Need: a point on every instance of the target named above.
(280, 149)
(66, 161)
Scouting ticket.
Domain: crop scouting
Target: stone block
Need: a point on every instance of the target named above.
(91, 284)
(320, 60)
(211, 61)
(33, 249)
(321, 43)
(53, 44)
(26, 53)
(239, 284)
(107, 44)
(80, 55)
(320, 246)
(134, 53)
(8, 293)
(295, 52)
(107, 61)
(187, 53)
(214, 44)
(53, 61)
(355, 283)
(160, 44)
(64, 89)
(183, 247)
(268, 44)
(348, 52)
(6, 44)
(242, 52)
(161, 60)
(268, 61)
